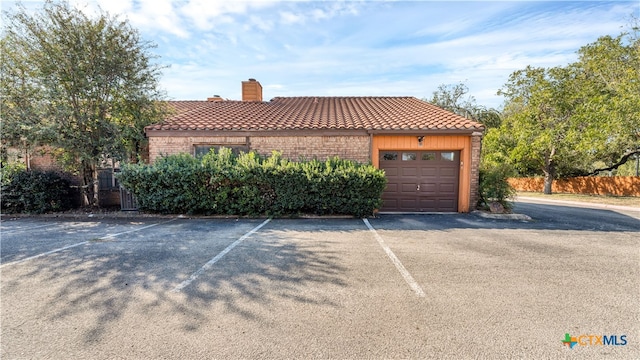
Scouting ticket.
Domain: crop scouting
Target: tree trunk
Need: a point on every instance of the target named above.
(96, 186)
(84, 188)
(90, 186)
(548, 183)
(549, 171)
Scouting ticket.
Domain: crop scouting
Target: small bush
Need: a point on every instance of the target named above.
(36, 192)
(9, 170)
(249, 184)
(494, 186)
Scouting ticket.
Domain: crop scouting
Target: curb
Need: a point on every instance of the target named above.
(577, 203)
(138, 215)
(486, 215)
(97, 215)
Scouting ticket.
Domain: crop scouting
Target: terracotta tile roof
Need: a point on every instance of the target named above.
(179, 107)
(314, 113)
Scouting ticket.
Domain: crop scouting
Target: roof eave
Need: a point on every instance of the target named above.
(310, 132)
(472, 131)
(286, 132)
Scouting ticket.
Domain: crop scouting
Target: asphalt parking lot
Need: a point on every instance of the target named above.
(399, 286)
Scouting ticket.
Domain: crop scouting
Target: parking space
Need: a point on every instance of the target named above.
(31, 237)
(523, 280)
(322, 288)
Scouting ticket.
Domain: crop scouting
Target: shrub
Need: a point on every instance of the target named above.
(36, 192)
(249, 184)
(494, 186)
(9, 170)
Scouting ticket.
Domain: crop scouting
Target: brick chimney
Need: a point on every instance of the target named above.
(251, 90)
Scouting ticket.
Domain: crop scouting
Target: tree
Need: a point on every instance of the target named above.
(568, 121)
(85, 86)
(21, 104)
(610, 80)
(539, 106)
(452, 97)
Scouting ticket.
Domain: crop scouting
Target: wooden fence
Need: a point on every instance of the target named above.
(591, 185)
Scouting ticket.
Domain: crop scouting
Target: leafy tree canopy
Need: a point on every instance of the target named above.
(570, 120)
(453, 97)
(86, 86)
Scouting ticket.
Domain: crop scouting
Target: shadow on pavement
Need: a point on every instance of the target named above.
(98, 284)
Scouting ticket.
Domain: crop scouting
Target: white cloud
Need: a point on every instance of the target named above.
(289, 18)
(113, 6)
(319, 14)
(205, 14)
(160, 15)
(145, 15)
(361, 47)
(261, 23)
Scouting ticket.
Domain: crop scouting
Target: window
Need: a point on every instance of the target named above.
(203, 149)
(408, 156)
(448, 156)
(389, 156)
(428, 156)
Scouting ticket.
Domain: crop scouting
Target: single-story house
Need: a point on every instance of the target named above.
(430, 155)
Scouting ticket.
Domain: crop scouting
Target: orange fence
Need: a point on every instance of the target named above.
(596, 185)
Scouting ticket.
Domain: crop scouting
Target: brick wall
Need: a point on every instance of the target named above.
(476, 147)
(165, 145)
(40, 159)
(292, 147)
(43, 162)
(310, 147)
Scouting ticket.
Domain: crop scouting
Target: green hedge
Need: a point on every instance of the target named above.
(36, 192)
(249, 184)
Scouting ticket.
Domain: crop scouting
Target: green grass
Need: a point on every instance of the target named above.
(599, 199)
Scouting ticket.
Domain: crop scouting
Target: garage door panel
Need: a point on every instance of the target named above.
(438, 182)
(391, 187)
(391, 203)
(391, 171)
(448, 180)
(408, 188)
(430, 171)
(447, 205)
(427, 204)
(428, 181)
(428, 188)
(407, 204)
(409, 171)
(448, 189)
(449, 172)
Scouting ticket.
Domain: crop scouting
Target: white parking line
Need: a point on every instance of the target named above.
(394, 259)
(134, 230)
(80, 244)
(215, 259)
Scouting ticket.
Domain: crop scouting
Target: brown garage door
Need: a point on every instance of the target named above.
(420, 180)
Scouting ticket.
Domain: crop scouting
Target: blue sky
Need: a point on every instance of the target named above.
(359, 48)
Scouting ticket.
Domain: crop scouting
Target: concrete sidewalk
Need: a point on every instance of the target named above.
(578, 203)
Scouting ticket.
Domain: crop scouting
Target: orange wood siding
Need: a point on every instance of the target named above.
(439, 142)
